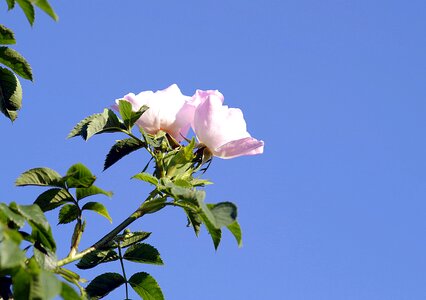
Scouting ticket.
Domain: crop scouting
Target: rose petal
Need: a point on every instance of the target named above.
(245, 146)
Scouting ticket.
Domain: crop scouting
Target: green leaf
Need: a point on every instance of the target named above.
(11, 216)
(21, 283)
(79, 176)
(143, 253)
(97, 207)
(31, 213)
(128, 115)
(194, 220)
(16, 62)
(120, 149)
(225, 213)
(129, 238)
(53, 198)
(200, 182)
(10, 94)
(215, 233)
(13, 235)
(154, 205)
(68, 293)
(45, 6)
(42, 236)
(81, 128)
(147, 178)
(180, 162)
(11, 255)
(68, 213)
(7, 37)
(146, 286)
(45, 286)
(10, 4)
(90, 191)
(235, 229)
(40, 177)
(45, 258)
(97, 257)
(104, 284)
(28, 9)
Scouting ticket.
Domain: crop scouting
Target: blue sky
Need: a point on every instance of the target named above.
(335, 207)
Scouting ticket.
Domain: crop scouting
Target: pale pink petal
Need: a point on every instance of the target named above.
(246, 146)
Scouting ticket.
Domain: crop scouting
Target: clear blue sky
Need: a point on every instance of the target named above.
(336, 206)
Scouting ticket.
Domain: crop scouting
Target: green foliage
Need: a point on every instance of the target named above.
(79, 176)
(82, 193)
(27, 7)
(147, 178)
(16, 62)
(10, 94)
(68, 213)
(97, 257)
(146, 286)
(7, 37)
(128, 115)
(120, 149)
(40, 177)
(103, 284)
(53, 198)
(98, 208)
(143, 253)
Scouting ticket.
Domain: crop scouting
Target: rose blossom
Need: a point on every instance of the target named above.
(167, 111)
(222, 129)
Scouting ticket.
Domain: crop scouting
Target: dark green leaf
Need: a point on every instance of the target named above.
(41, 235)
(97, 207)
(147, 178)
(81, 128)
(194, 220)
(97, 257)
(143, 253)
(7, 37)
(45, 258)
(31, 213)
(28, 9)
(10, 254)
(235, 229)
(128, 115)
(10, 4)
(215, 233)
(146, 286)
(225, 213)
(68, 293)
(200, 182)
(45, 285)
(11, 216)
(45, 6)
(130, 238)
(21, 284)
(40, 177)
(16, 62)
(90, 191)
(79, 176)
(13, 235)
(120, 149)
(10, 94)
(53, 198)
(104, 284)
(68, 213)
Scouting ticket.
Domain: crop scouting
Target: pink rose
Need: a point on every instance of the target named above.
(167, 111)
(222, 129)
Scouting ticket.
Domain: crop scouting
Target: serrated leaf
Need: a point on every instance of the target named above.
(130, 238)
(106, 122)
(194, 220)
(40, 177)
(97, 257)
(28, 10)
(146, 286)
(98, 208)
(41, 235)
(147, 178)
(81, 128)
(79, 176)
(31, 213)
(53, 198)
(68, 293)
(12, 216)
(45, 6)
(82, 193)
(120, 149)
(104, 284)
(215, 233)
(45, 258)
(10, 94)
(143, 253)
(235, 229)
(225, 213)
(7, 37)
(68, 213)
(200, 182)
(128, 115)
(16, 62)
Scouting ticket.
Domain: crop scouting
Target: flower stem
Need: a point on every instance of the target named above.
(124, 272)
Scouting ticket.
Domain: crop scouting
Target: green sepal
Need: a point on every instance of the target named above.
(143, 253)
(97, 257)
(10, 94)
(98, 208)
(103, 284)
(146, 286)
(7, 37)
(120, 149)
(68, 213)
(16, 62)
(53, 198)
(40, 177)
